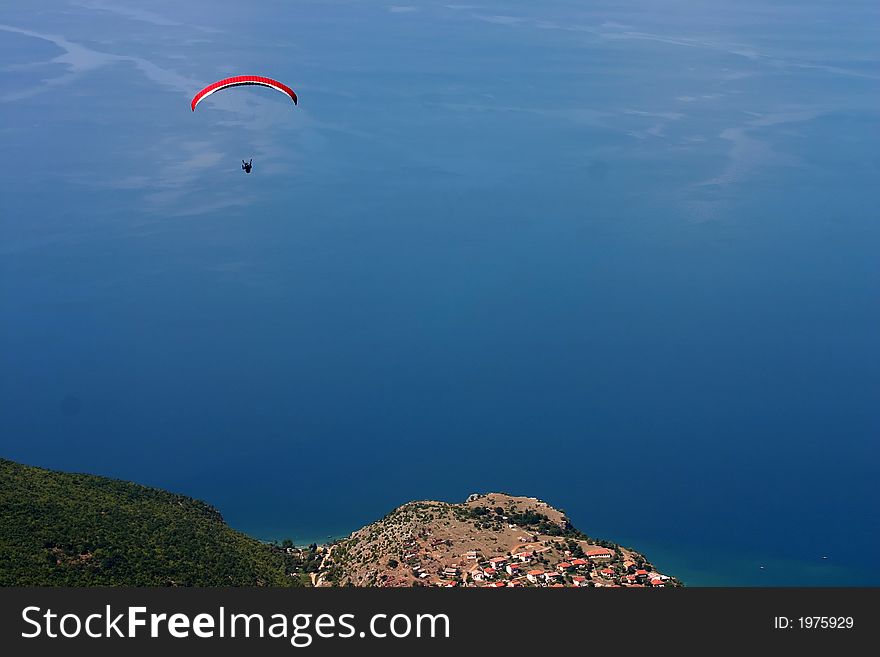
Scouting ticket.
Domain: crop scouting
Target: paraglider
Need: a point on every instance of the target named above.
(242, 80)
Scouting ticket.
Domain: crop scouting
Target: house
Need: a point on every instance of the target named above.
(579, 563)
(496, 562)
(600, 553)
(513, 568)
(524, 557)
(534, 575)
(489, 572)
(580, 580)
(551, 576)
(657, 582)
(563, 566)
(471, 555)
(607, 572)
(451, 572)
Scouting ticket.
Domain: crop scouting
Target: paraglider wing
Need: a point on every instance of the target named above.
(240, 80)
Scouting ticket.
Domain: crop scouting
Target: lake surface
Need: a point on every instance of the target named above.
(618, 257)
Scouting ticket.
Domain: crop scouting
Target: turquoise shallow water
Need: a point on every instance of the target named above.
(618, 258)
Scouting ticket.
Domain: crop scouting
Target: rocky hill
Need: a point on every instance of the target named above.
(491, 540)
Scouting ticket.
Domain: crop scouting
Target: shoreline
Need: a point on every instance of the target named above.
(692, 565)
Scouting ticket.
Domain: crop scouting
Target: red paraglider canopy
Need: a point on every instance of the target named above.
(239, 80)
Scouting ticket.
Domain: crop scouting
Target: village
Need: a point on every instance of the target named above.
(491, 541)
(532, 565)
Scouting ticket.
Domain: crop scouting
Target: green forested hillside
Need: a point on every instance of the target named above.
(60, 529)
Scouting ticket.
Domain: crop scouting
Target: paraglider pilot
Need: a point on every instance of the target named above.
(246, 166)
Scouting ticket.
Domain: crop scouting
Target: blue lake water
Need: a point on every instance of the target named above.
(618, 257)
